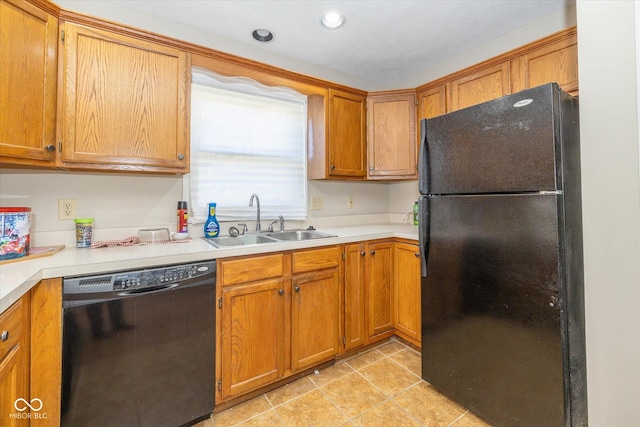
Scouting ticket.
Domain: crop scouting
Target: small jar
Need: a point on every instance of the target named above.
(84, 232)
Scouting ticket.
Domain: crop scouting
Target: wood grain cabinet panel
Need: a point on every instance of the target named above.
(315, 311)
(355, 330)
(552, 62)
(28, 73)
(391, 136)
(14, 361)
(346, 135)
(252, 342)
(406, 291)
(432, 102)
(379, 290)
(125, 103)
(483, 85)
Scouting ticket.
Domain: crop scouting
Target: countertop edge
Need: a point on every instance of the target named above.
(16, 279)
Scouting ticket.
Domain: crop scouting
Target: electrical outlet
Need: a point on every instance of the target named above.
(66, 209)
(316, 203)
(350, 202)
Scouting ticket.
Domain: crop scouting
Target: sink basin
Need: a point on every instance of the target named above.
(270, 237)
(247, 239)
(299, 235)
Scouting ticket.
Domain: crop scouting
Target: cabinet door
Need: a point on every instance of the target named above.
(391, 136)
(354, 296)
(315, 316)
(432, 102)
(484, 85)
(14, 363)
(28, 72)
(406, 291)
(125, 103)
(346, 141)
(252, 336)
(379, 290)
(554, 62)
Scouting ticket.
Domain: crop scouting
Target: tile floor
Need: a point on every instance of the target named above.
(381, 387)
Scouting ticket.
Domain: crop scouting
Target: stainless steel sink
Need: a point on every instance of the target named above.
(247, 239)
(289, 235)
(270, 237)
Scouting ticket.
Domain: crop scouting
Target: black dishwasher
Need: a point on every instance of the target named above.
(139, 347)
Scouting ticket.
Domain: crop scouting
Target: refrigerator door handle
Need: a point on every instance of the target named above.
(423, 160)
(424, 232)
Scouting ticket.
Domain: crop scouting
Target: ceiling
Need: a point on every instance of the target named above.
(382, 42)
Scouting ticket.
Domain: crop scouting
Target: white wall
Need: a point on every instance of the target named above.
(611, 209)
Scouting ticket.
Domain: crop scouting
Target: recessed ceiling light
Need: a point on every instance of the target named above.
(333, 20)
(262, 35)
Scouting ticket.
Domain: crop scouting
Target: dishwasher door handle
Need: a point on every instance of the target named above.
(147, 291)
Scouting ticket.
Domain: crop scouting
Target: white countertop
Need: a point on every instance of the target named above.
(18, 277)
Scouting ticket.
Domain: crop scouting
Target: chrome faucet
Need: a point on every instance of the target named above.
(254, 195)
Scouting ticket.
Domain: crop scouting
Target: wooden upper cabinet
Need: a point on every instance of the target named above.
(391, 135)
(483, 85)
(551, 62)
(125, 103)
(346, 135)
(28, 73)
(432, 102)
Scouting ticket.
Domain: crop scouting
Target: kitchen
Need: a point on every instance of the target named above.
(612, 393)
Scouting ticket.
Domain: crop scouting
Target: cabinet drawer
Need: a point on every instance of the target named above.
(316, 259)
(12, 323)
(251, 269)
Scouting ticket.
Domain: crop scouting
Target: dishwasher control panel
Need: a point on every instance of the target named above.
(137, 279)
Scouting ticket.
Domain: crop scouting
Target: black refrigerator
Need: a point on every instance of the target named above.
(502, 271)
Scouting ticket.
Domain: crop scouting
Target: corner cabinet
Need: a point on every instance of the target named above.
(124, 103)
(391, 136)
(337, 144)
(28, 73)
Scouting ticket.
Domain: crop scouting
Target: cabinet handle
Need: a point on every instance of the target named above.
(363, 253)
(417, 254)
(296, 288)
(333, 167)
(51, 147)
(281, 291)
(180, 156)
(373, 252)
(5, 336)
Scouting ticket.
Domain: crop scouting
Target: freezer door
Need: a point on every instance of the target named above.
(506, 145)
(491, 309)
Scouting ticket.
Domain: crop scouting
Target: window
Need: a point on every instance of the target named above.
(246, 138)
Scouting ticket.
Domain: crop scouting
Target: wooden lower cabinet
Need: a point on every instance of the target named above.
(379, 290)
(14, 363)
(252, 341)
(270, 327)
(315, 310)
(406, 292)
(355, 332)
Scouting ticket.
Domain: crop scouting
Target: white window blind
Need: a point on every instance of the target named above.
(246, 138)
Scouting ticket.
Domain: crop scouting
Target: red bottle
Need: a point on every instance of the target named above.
(183, 216)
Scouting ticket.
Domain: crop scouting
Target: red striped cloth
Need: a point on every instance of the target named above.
(132, 241)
